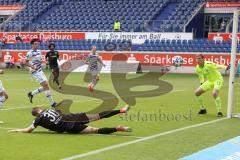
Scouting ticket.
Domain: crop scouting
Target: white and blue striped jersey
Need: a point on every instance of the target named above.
(93, 60)
(35, 59)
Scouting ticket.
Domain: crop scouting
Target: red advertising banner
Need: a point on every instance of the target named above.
(44, 36)
(11, 7)
(221, 36)
(222, 5)
(158, 58)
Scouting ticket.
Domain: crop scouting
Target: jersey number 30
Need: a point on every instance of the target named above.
(52, 115)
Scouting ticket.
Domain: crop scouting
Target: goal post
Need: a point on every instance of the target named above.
(233, 62)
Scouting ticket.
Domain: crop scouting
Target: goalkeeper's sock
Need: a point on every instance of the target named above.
(112, 130)
(200, 101)
(106, 130)
(218, 103)
(107, 114)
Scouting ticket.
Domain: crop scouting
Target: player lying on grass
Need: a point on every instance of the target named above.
(3, 94)
(72, 123)
(93, 61)
(214, 81)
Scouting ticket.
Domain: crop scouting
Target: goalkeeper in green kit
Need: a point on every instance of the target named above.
(210, 79)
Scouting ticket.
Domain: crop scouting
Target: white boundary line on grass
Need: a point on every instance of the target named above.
(139, 140)
(6, 128)
(77, 101)
(116, 135)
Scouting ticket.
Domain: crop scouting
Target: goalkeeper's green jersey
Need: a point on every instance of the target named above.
(209, 71)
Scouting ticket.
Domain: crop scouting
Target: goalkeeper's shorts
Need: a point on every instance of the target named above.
(212, 85)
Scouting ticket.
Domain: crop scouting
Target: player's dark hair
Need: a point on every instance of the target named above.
(34, 40)
(35, 111)
(50, 45)
(200, 55)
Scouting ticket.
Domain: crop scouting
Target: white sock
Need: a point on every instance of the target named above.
(39, 90)
(1, 105)
(49, 96)
(2, 100)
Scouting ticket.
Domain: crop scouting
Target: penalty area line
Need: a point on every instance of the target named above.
(6, 128)
(78, 101)
(94, 152)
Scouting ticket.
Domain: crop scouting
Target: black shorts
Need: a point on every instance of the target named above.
(78, 118)
(77, 128)
(54, 67)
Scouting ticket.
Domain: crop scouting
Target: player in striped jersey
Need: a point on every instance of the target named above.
(34, 61)
(93, 61)
(3, 94)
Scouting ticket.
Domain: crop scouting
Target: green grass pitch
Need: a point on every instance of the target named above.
(42, 144)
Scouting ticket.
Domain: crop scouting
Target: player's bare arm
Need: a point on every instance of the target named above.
(29, 65)
(101, 62)
(23, 130)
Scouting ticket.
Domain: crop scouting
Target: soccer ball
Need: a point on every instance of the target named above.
(177, 61)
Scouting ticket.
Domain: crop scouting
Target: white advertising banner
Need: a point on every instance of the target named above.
(139, 37)
(79, 66)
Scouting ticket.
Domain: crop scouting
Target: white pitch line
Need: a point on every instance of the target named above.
(139, 140)
(80, 101)
(115, 135)
(6, 128)
(8, 109)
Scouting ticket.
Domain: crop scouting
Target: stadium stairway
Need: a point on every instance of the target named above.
(180, 16)
(35, 22)
(163, 15)
(28, 15)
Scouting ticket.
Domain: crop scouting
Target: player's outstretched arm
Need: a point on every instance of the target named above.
(222, 67)
(29, 65)
(101, 62)
(87, 61)
(23, 130)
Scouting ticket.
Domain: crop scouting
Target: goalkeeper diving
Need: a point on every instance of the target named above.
(210, 79)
